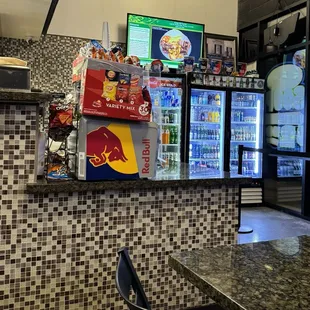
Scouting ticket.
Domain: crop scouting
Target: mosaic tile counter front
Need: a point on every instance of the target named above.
(59, 251)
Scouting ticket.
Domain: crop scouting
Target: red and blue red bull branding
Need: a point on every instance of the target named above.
(110, 150)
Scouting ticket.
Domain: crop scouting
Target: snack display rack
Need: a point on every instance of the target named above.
(60, 153)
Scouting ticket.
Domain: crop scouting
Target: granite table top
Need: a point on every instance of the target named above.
(23, 97)
(273, 275)
(163, 180)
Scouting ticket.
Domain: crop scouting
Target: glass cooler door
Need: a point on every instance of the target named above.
(206, 141)
(246, 129)
(167, 101)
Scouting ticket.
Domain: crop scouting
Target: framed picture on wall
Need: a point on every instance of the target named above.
(221, 52)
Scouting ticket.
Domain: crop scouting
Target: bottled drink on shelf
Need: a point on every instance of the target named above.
(167, 135)
(171, 137)
(176, 135)
(218, 99)
(202, 116)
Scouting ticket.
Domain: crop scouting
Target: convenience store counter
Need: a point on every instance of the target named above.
(182, 179)
(83, 224)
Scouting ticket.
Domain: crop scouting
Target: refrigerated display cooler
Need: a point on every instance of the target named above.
(247, 114)
(168, 104)
(219, 119)
(206, 130)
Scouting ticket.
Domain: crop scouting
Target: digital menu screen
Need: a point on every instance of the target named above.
(170, 41)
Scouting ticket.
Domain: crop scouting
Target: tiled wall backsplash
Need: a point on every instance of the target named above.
(59, 251)
(50, 59)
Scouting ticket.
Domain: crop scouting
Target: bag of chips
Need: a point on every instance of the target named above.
(109, 90)
(60, 121)
(122, 92)
(135, 94)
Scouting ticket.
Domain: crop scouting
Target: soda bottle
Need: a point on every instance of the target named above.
(252, 83)
(218, 149)
(191, 133)
(194, 151)
(205, 99)
(197, 151)
(202, 116)
(194, 132)
(172, 103)
(199, 136)
(168, 99)
(210, 99)
(171, 137)
(235, 82)
(247, 83)
(163, 136)
(167, 135)
(241, 83)
(210, 116)
(197, 114)
(176, 135)
(204, 133)
(213, 116)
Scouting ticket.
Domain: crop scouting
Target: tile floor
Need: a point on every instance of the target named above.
(269, 224)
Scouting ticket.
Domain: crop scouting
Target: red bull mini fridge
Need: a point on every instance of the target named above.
(116, 150)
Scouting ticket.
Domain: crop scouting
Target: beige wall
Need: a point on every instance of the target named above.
(83, 18)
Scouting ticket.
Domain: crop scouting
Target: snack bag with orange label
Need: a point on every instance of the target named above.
(60, 121)
(60, 115)
(135, 94)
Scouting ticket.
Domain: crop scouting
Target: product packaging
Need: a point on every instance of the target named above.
(241, 68)
(189, 63)
(228, 67)
(114, 149)
(216, 65)
(113, 90)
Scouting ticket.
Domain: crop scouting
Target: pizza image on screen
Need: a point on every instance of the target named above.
(175, 45)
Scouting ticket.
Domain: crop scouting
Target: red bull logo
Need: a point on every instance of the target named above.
(103, 147)
(146, 156)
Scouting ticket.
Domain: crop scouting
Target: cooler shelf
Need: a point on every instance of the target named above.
(167, 124)
(243, 123)
(206, 106)
(170, 144)
(204, 159)
(167, 108)
(204, 141)
(239, 141)
(242, 108)
(204, 123)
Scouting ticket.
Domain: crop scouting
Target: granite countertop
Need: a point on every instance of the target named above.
(271, 275)
(180, 178)
(26, 97)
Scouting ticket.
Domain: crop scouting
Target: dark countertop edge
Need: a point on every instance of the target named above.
(44, 187)
(17, 97)
(205, 287)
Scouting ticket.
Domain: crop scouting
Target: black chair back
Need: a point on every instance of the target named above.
(127, 281)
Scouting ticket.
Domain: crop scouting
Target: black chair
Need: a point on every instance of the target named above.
(127, 281)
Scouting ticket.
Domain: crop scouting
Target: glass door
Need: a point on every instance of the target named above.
(246, 129)
(206, 141)
(167, 100)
